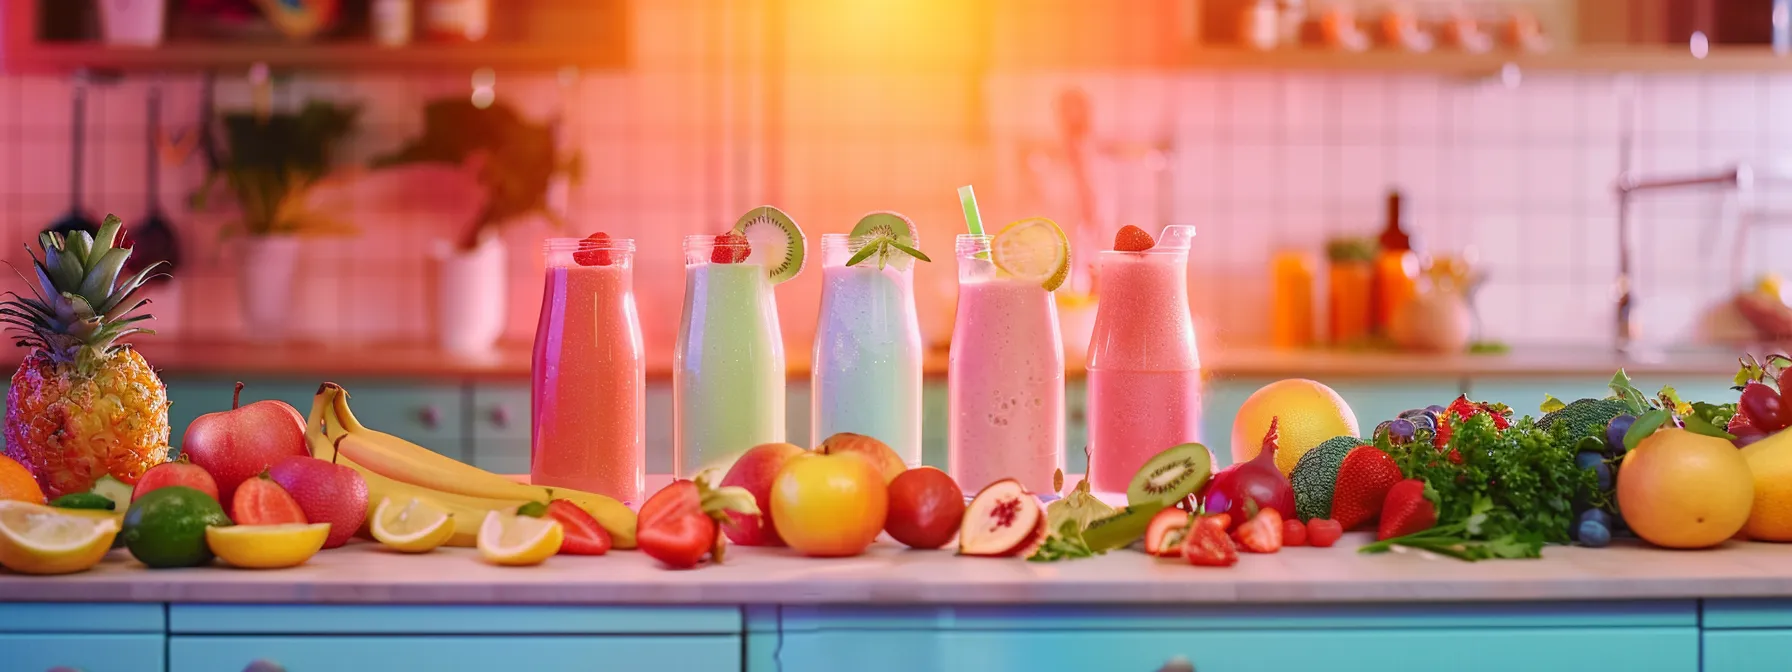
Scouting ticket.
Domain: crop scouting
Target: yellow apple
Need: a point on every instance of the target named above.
(829, 505)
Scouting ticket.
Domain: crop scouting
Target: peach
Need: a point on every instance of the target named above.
(829, 505)
(874, 451)
(755, 471)
(926, 507)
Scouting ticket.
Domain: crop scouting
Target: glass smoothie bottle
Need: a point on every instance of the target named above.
(866, 373)
(1144, 371)
(587, 377)
(728, 372)
(1005, 378)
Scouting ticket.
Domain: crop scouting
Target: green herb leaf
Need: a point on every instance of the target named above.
(1624, 391)
(866, 251)
(533, 509)
(1645, 425)
(1551, 404)
(1065, 544)
(910, 251)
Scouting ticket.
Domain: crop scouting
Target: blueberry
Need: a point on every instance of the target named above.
(1615, 431)
(1588, 459)
(1604, 472)
(1597, 516)
(1436, 409)
(1401, 430)
(1594, 534)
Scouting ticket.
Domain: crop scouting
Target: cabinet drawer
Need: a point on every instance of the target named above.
(501, 456)
(500, 413)
(1461, 649)
(1747, 650)
(72, 617)
(454, 654)
(87, 653)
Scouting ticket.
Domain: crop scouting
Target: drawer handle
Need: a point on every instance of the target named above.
(1177, 664)
(1078, 415)
(430, 416)
(501, 416)
(264, 665)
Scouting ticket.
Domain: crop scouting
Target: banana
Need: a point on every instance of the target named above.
(408, 469)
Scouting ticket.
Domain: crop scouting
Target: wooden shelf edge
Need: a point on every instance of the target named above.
(1640, 60)
(65, 57)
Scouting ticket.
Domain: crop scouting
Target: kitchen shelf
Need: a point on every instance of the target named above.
(64, 57)
(1638, 59)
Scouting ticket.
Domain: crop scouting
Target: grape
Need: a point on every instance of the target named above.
(1615, 431)
(1381, 430)
(1425, 422)
(1410, 413)
(1598, 516)
(1401, 430)
(1436, 409)
(1763, 407)
(1593, 534)
(1604, 472)
(1588, 459)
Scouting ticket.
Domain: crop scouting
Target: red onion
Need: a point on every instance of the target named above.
(1235, 489)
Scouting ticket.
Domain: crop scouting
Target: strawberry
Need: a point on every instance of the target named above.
(596, 252)
(1206, 544)
(1323, 532)
(1133, 239)
(730, 248)
(261, 501)
(1224, 518)
(682, 522)
(584, 536)
(1362, 485)
(1163, 535)
(1262, 533)
(1293, 533)
(1408, 509)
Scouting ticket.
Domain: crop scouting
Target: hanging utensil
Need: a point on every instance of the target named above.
(77, 218)
(153, 239)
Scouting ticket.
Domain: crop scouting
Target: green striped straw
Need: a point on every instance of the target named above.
(972, 219)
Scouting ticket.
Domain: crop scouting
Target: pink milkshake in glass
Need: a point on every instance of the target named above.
(1144, 371)
(586, 429)
(1006, 377)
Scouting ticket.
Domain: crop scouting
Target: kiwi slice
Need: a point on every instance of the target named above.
(1171, 475)
(777, 242)
(891, 224)
(1124, 527)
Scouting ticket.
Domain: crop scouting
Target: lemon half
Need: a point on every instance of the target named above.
(512, 540)
(37, 539)
(413, 526)
(267, 546)
(1033, 249)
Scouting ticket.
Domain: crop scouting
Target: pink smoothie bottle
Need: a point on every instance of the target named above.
(1005, 377)
(1144, 370)
(586, 429)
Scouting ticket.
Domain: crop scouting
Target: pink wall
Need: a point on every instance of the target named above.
(680, 143)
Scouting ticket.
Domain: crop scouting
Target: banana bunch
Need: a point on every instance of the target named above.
(401, 470)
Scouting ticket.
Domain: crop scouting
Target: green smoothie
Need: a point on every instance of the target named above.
(728, 384)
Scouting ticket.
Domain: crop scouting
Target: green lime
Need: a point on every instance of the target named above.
(84, 500)
(166, 527)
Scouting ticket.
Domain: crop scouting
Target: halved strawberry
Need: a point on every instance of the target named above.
(1362, 486)
(1408, 509)
(1163, 535)
(681, 523)
(1262, 533)
(596, 252)
(730, 248)
(1206, 544)
(584, 536)
(1133, 239)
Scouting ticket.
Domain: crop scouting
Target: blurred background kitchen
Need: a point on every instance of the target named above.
(1473, 160)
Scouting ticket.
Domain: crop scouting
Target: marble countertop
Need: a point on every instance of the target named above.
(511, 362)
(361, 573)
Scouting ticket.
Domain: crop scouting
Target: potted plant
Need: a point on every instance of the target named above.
(515, 161)
(269, 166)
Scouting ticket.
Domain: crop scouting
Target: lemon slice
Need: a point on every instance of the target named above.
(516, 541)
(267, 546)
(37, 539)
(411, 527)
(1033, 249)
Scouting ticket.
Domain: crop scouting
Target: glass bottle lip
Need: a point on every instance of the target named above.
(587, 245)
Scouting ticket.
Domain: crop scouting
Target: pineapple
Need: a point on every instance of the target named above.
(83, 404)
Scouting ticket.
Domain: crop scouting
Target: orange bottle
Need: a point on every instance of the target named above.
(1291, 300)
(1350, 289)
(1396, 280)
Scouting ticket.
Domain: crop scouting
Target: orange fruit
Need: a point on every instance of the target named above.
(1309, 413)
(1678, 489)
(1770, 461)
(17, 483)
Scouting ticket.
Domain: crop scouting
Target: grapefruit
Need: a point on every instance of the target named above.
(1678, 489)
(1310, 414)
(1770, 461)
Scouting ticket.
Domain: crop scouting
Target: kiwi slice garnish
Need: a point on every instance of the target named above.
(887, 224)
(889, 237)
(1171, 475)
(776, 240)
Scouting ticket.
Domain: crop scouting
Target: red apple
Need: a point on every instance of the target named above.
(178, 472)
(238, 444)
(754, 471)
(925, 508)
(874, 451)
(327, 493)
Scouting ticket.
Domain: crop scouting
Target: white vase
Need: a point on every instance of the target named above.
(470, 295)
(136, 23)
(269, 263)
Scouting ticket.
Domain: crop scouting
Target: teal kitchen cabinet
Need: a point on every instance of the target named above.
(86, 637)
(1370, 638)
(1372, 400)
(229, 638)
(1747, 635)
(428, 415)
(498, 419)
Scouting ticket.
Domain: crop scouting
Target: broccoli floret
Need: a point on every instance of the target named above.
(1585, 417)
(1316, 474)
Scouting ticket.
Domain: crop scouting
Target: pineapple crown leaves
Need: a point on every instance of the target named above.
(79, 304)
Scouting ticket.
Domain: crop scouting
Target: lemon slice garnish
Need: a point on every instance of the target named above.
(413, 526)
(37, 539)
(511, 540)
(1033, 249)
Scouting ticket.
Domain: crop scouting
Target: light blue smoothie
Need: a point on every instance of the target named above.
(866, 374)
